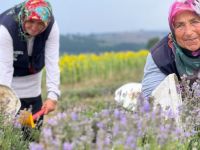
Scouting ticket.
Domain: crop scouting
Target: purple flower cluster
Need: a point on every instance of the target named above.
(190, 110)
(147, 127)
(112, 128)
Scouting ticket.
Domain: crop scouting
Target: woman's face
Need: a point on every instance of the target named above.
(34, 27)
(187, 30)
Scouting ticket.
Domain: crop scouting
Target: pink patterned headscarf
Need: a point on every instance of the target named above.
(182, 5)
(37, 10)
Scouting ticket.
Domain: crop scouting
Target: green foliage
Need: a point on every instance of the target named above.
(152, 42)
(76, 44)
(11, 138)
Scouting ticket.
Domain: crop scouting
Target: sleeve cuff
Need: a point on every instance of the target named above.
(53, 96)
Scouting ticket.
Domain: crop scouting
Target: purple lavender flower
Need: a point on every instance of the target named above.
(139, 124)
(61, 115)
(116, 113)
(100, 125)
(107, 140)
(170, 114)
(116, 129)
(16, 122)
(56, 142)
(133, 146)
(123, 120)
(187, 134)
(195, 85)
(67, 146)
(52, 121)
(146, 106)
(105, 112)
(179, 88)
(162, 129)
(47, 132)
(74, 116)
(153, 115)
(35, 146)
(177, 132)
(129, 140)
(139, 128)
(197, 93)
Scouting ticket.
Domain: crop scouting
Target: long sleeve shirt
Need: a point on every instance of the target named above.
(152, 76)
(30, 85)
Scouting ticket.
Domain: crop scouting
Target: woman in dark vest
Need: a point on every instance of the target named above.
(29, 40)
(179, 52)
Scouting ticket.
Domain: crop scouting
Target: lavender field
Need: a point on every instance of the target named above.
(88, 118)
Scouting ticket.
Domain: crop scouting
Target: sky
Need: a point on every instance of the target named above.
(101, 16)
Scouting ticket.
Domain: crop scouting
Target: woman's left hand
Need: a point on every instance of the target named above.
(49, 105)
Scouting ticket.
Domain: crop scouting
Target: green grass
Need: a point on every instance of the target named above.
(97, 93)
(10, 137)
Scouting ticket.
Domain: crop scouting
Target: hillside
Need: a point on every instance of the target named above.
(97, 43)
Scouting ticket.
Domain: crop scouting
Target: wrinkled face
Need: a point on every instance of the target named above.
(34, 27)
(187, 30)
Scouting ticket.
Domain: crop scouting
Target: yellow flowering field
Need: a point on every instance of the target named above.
(75, 68)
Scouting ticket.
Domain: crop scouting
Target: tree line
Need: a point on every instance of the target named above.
(76, 44)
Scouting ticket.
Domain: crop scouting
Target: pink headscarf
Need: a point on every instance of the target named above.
(182, 5)
(37, 10)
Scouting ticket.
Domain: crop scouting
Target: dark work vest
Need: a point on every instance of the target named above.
(164, 58)
(24, 64)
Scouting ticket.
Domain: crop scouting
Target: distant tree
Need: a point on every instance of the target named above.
(76, 44)
(152, 42)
